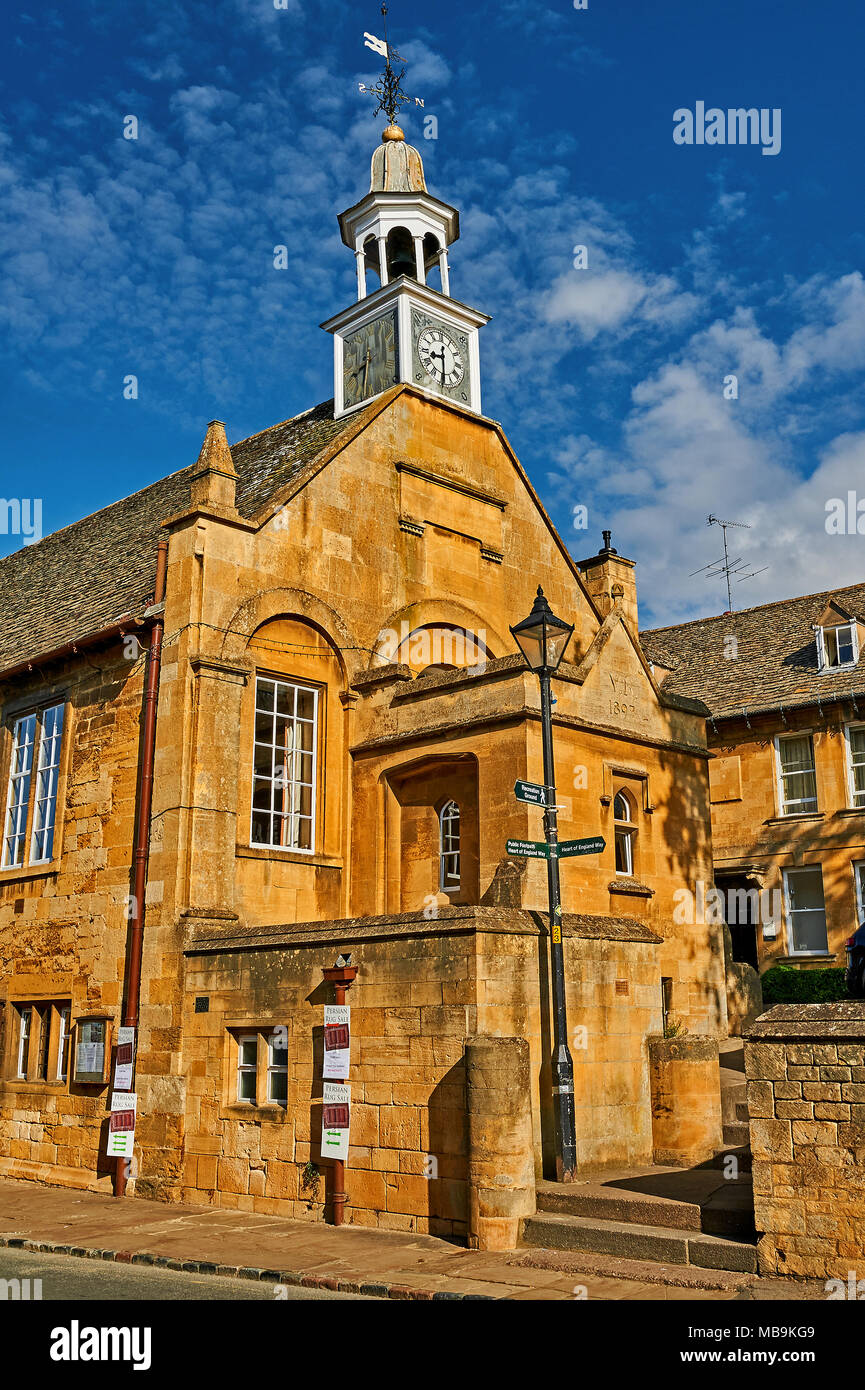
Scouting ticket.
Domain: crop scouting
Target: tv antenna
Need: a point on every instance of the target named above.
(739, 567)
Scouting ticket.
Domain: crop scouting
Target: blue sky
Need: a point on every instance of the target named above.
(154, 257)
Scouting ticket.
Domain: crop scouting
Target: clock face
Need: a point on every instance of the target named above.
(369, 360)
(441, 356)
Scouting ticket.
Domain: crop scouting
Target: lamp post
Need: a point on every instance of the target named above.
(542, 639)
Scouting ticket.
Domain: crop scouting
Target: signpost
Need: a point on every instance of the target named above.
(531, 792)
(529, 849)
(593, 845)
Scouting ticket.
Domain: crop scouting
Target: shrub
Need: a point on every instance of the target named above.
(784, 984)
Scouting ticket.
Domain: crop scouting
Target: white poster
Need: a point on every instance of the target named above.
(121, 1124)
(125, 1059)
(337, 1041)
(335, 1120)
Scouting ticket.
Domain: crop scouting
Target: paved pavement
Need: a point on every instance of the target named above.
(211, 1241)
(68, 1277)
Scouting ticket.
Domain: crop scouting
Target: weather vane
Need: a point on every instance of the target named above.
(388, 89)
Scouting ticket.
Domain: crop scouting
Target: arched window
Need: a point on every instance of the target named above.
(625, 833)
(449, 848)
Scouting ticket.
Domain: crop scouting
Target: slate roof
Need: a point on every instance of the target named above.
(80, 580)
(776, 661)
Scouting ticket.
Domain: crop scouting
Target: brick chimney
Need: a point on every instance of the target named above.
(611, 583)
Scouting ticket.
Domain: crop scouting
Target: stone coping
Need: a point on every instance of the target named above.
(843, 1019)
(448, 921)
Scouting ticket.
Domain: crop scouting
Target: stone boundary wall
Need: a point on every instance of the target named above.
(805, 1065)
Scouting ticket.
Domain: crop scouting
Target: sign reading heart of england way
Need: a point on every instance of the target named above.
(535, 849)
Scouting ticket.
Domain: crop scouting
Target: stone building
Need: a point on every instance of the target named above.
(341, 718)
(784, 683)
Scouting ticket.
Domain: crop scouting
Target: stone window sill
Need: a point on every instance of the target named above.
(851, 811)
(631, 886)
(288, 856)
(797, 816)
(21, 875)
(241, 1111)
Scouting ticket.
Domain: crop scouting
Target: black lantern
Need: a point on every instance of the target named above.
(542, 637)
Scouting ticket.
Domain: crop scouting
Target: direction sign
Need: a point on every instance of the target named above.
(532, 793)
(529, 849)
(593, 845)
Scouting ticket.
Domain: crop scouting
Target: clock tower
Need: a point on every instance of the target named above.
(404, 328)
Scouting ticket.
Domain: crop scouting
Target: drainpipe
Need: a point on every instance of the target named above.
(142, 827)
(341, 977)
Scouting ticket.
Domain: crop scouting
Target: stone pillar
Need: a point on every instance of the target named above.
(443, 267)
(805, 1065)
(685, 1086)
(418, 257)
(500, 1159)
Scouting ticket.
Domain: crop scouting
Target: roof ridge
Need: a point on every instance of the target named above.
(289, 420)
(757, 608)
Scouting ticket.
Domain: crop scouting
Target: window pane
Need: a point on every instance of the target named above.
(246, 1085)
(284, 766)
(624, 858)
(45, 803)
(807, 913)
(799, 782)
(248, 1052)
(278, 1087)
(845, 645)
(264, 693)
(621, 807)
(18, 792)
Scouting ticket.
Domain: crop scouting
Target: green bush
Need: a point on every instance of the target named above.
(784, 984)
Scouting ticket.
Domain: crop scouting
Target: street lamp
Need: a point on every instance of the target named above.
(542, 639)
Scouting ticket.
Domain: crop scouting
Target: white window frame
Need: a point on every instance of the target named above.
(788, 911)
(24, 1040)
(40, 780)
(822, 654)
(243, 1068)
(294, 815)
(779, 775)
(625, 830)
(448, 881)
(65, 1013)
(852, 727)
(274, 1069)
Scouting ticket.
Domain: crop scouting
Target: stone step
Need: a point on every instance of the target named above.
(706, 1205)
(733, 1094)
(736, 1134)
(582, 1262)
(629, 1240)
(741, 1152)
(742, 1114)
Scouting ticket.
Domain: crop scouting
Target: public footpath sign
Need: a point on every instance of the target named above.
(528, 849)
(335, 1120)
(337, 1042)
(532, 793)
(593, 845)
(121, 1124)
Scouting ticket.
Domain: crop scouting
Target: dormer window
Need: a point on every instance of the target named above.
(836, 633)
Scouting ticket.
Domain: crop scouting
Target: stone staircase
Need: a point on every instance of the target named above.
(701, 1217)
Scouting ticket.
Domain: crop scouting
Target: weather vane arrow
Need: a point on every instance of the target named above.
(388, 89)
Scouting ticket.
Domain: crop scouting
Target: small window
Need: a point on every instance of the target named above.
(798, 778)
(449, 848)
(859, 880)
(42, 1043)
(624, 832)
(277, 1068)
(247, 1066)
(31, 801)
(25, 1023)
(806, 911)
(856, 763)
(284, 765)
(837, 646)
(262, 1067)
